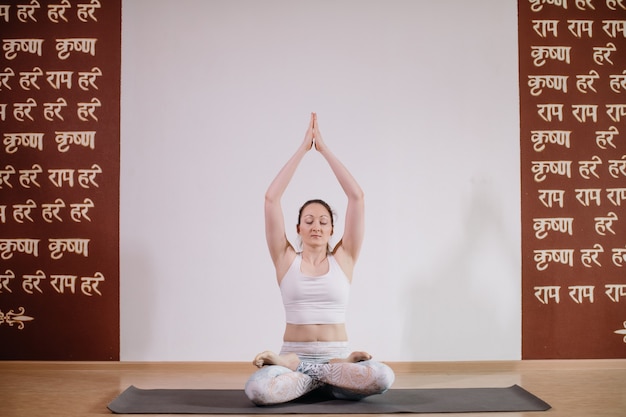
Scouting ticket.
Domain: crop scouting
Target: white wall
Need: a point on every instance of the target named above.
(418, 98)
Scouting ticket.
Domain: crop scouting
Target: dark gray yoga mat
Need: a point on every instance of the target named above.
(440, 400)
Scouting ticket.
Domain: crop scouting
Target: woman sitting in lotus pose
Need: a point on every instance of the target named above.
(315, 286)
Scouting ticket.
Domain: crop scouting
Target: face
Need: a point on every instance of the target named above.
(315, 226)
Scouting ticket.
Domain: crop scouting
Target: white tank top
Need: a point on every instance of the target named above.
(315, 300)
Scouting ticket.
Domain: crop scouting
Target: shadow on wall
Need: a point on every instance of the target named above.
(137, 304)
(467, 306)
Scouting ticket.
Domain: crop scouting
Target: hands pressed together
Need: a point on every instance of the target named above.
(313, 135)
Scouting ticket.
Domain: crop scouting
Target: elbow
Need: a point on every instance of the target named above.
(271, 199)
(357, 195)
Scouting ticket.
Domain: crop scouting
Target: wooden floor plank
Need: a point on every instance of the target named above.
(573, 388)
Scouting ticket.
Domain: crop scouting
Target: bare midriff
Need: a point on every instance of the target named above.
(315, 333)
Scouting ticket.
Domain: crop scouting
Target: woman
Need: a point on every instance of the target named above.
(315, 285)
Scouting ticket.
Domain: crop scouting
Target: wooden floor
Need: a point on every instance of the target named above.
(573, 388)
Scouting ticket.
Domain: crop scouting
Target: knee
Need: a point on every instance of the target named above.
(254, 392)
(257, 387)
(384, 376)
(257, 392)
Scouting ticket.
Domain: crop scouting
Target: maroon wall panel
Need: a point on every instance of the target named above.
(59, 179)
(573, 171)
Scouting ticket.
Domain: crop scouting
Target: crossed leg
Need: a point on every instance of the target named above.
(277, 384)
(288, 378)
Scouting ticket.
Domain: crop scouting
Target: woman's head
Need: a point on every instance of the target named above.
(320, 202)
(315, 222)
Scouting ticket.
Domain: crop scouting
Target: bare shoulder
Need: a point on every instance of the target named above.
(345, 261)
(283, 262)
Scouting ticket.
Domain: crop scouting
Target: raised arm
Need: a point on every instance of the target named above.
(355, 213)
(275, 234)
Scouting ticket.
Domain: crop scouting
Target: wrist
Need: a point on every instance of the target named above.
(323, 150)
(304, 148)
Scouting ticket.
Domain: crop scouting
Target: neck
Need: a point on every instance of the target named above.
(314, 255)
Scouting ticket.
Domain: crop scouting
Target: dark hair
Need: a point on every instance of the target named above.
(317, 201)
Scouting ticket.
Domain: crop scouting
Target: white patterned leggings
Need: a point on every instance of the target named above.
(275, 384)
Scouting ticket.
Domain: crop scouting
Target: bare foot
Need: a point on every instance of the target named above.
(353, 358)
(268, 357)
